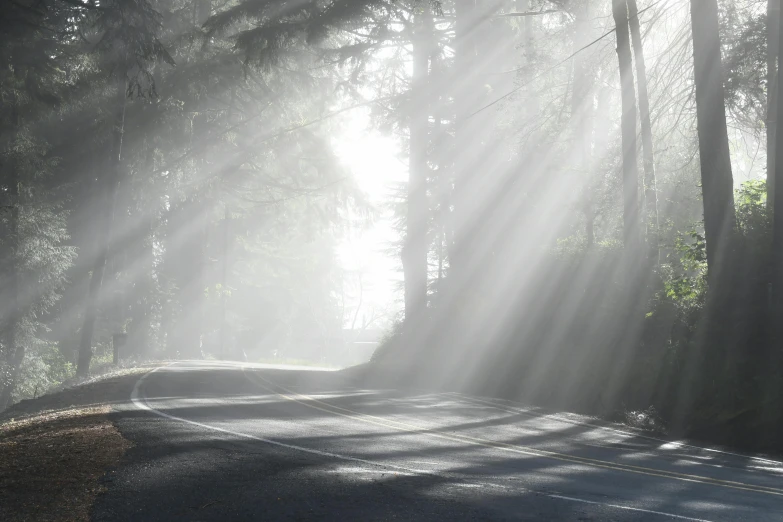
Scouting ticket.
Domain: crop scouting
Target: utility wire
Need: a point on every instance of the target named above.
(558, 64)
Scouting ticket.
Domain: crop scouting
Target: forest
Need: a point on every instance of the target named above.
(588, 218)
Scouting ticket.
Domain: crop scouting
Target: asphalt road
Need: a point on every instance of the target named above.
(219, 441)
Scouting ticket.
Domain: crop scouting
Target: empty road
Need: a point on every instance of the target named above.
(222, 441)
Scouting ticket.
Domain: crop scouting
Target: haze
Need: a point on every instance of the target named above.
(570, 204)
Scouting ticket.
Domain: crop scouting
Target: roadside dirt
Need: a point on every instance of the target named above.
(55, 449)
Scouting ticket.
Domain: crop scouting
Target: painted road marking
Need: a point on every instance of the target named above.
(140, 401)
(402, 426)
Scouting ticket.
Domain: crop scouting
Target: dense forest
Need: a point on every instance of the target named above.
(588, 221)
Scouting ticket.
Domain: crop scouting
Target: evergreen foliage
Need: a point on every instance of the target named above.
(167, 174)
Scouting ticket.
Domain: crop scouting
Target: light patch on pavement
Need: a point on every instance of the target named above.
(140, 401)
(576, 420)
(766, 468)
(364, 471)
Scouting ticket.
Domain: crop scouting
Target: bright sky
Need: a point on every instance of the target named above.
(373, 159)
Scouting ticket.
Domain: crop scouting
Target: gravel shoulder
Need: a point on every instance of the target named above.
(56, 449)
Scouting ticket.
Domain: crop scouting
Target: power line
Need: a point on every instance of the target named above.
(558, 64)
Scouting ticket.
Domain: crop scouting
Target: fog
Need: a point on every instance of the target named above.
(561, 201)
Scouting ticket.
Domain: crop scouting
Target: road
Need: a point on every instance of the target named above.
(222, 441)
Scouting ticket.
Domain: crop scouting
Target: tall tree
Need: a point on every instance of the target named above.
(581, 110)
(464, 94)
(648, 156)
(106, 193)
(714, 156)
(414, 255)
(10, 290)
(628, 128)
(31, 253)
(127, 44)
(773, 41)
(777, 217)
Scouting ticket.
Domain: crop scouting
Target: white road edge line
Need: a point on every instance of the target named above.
(572, 499)
(140, 402)
(680, 517)
(498, 403)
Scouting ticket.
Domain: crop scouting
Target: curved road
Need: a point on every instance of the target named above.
(222, 441)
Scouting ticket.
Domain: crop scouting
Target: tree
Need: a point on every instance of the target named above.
(773, 41)
(414, 253)
(581, 110)
(630, 167)
(714, 157)
(11, 308)
(32, 255)
(106, 194)
(648, 155)
(128, 42)
(777, 218)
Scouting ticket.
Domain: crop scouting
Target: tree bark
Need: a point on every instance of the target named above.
(648, 156)
(142, 290)
(777, 221)
(108, 196)
(464, 93)
(714, 156)
(628, 128)
(581, 113)
(11, 292)
(414, 255)
(773, 42)
(224, 281)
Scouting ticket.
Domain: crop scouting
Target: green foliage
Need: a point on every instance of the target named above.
(744, 42)
(684, 279)
(754, 218)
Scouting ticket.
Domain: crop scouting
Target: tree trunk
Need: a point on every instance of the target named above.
(108, 196)
(648, 156)
(581, 114)
(188, 229)
(777, 221)
(11, 292)
(464, 93)
(773, 42)
(143, 283)
(628, 124)
(224, 281)
(714, 156)
(414, 255)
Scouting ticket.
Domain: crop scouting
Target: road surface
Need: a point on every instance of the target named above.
(221, 441)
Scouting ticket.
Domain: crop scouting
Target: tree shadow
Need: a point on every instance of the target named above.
(418, 459)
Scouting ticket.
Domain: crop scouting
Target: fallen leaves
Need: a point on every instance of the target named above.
(50, 463)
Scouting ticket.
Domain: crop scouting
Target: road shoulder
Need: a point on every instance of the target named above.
(55, 450)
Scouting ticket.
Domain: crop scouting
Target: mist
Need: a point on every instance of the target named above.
(566, 202)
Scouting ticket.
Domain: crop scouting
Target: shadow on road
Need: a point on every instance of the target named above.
(422, 457)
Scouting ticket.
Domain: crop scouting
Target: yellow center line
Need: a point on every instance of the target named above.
(523, 450)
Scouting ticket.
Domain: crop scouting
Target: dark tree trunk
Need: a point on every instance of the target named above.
(110, 183)
(186, 254)
(224, 268)
(464, 93)
(773, 42)
(715, 160)
(10, 294)
(142, 289)
(414, 255)
(630, 167)
(777, 224)
(581, 113)
(648, 156)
